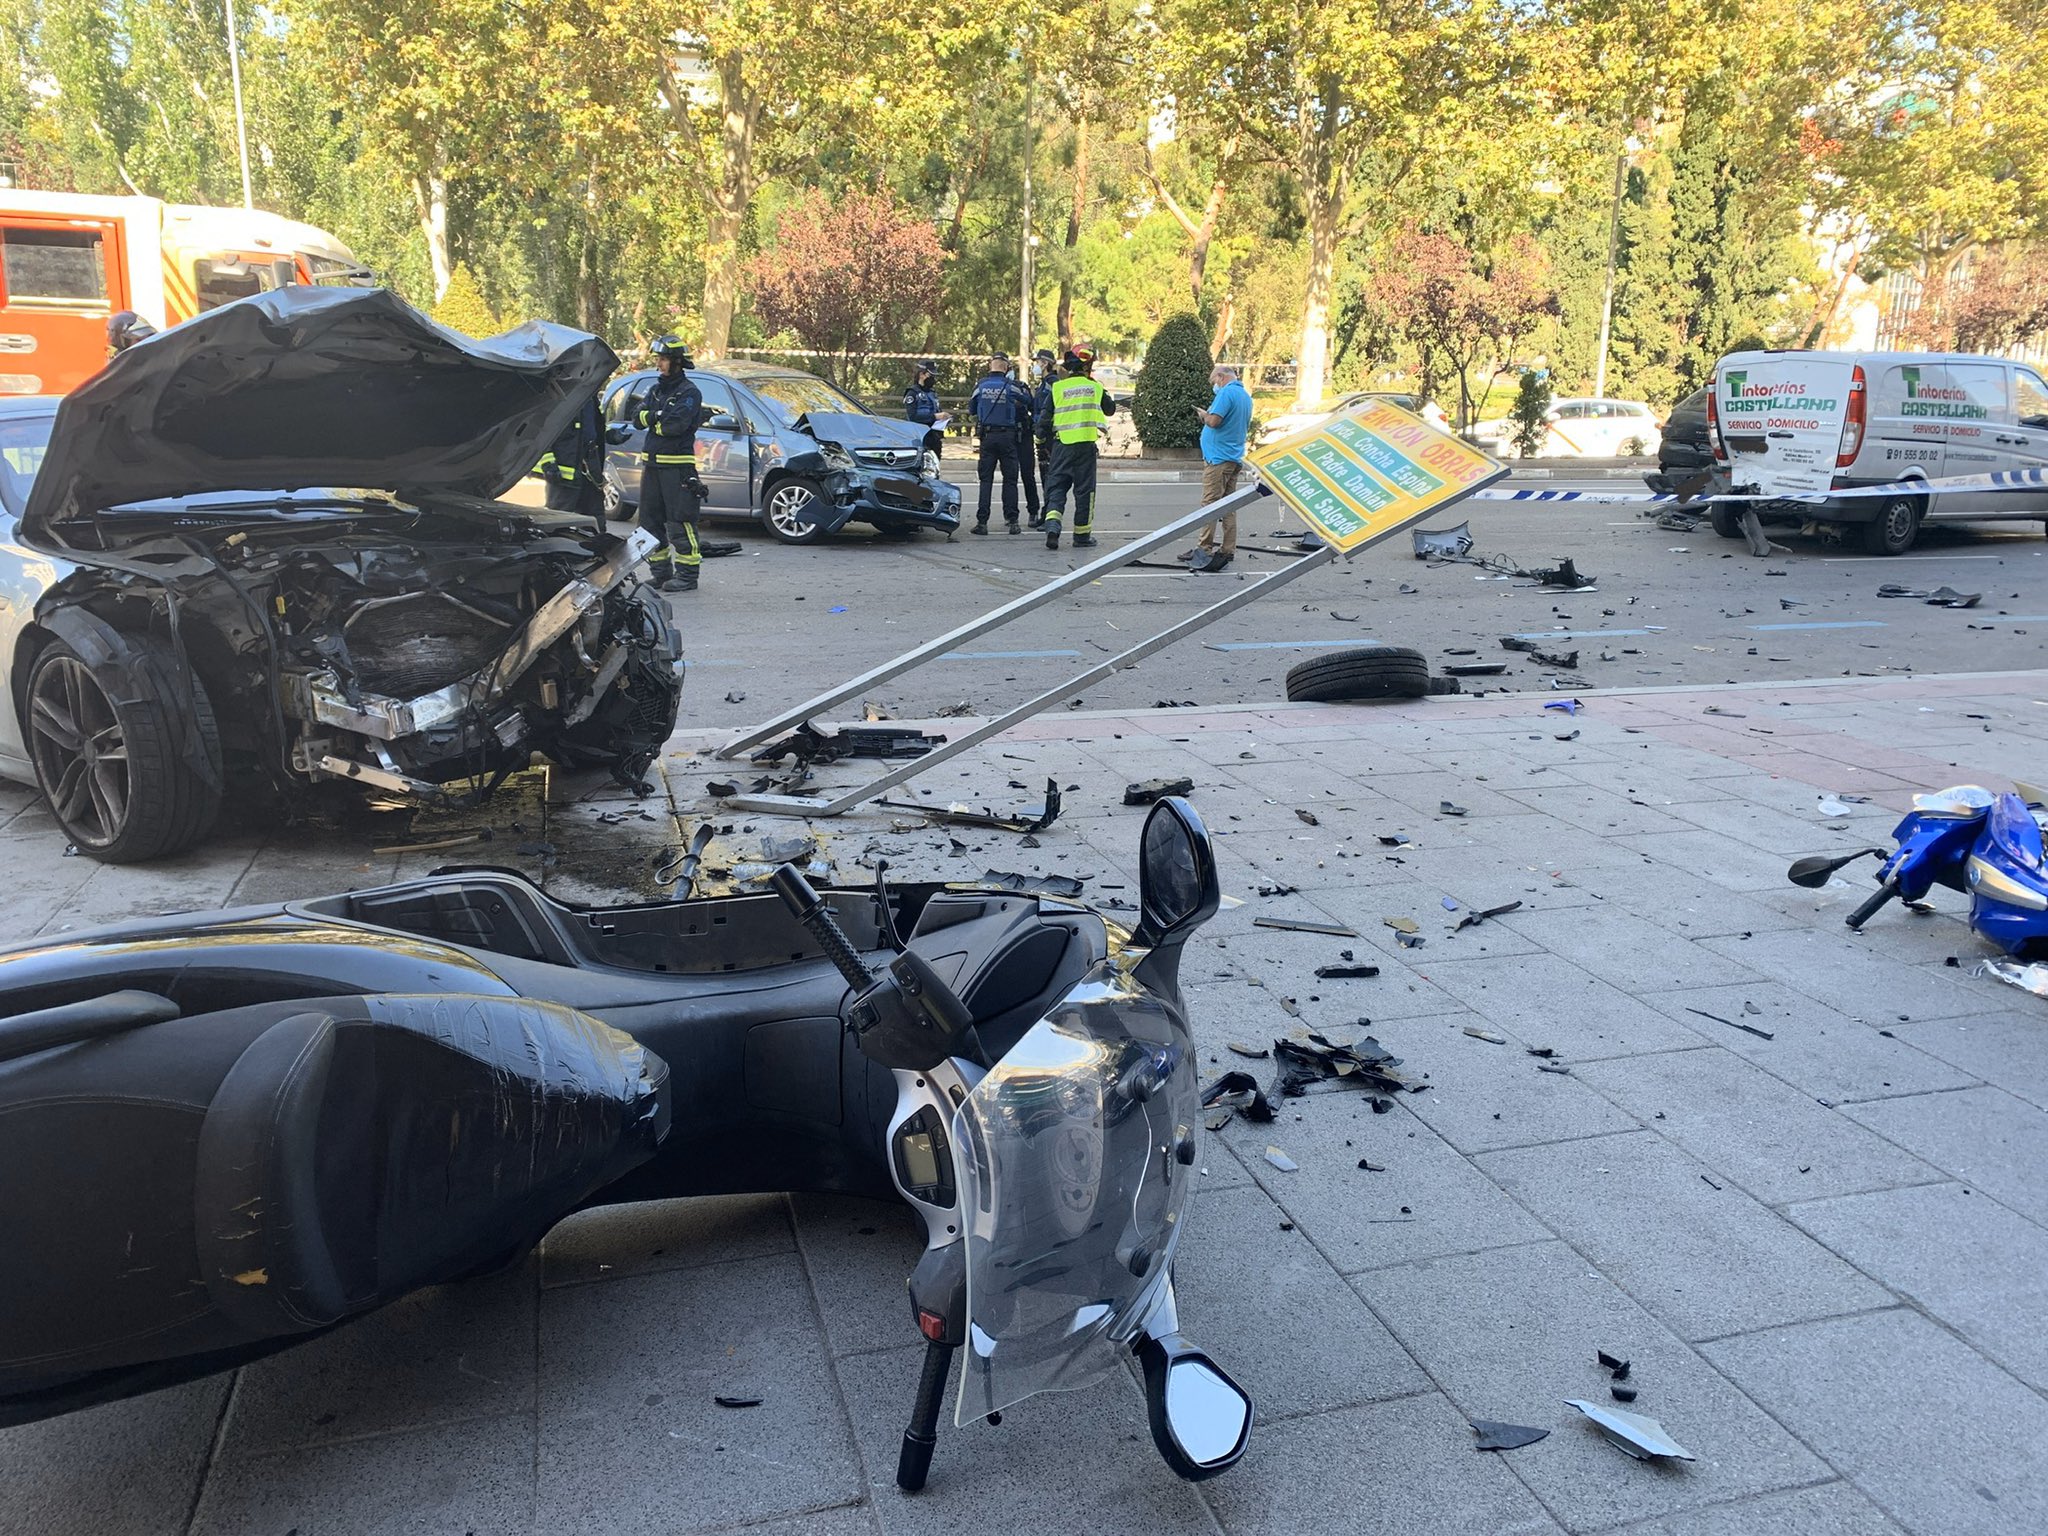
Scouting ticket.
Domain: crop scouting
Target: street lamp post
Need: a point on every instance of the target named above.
(241, 121)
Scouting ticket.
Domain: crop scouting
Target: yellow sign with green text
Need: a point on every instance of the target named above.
(1372, 472)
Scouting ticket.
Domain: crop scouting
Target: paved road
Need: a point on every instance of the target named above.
(780, 624)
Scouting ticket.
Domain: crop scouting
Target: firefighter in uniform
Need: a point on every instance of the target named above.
(1001, 408)
(1032, 460)
(573, 468)
(1079, 408)
(670, 492)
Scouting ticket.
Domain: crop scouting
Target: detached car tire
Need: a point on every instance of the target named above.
(780, 511)
(1370, 672)
(1895, 527)
(1727, 520)
(113, 773)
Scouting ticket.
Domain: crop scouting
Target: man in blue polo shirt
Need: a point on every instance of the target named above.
(1224, 425)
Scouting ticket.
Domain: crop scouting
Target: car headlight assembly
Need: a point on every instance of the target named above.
(837, 457)
(928, 465)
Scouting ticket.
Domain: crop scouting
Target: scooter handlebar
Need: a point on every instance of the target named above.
(1868, 910)
(808, 908)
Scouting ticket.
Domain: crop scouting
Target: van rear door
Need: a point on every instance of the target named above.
(60, 278)
(1782, 415)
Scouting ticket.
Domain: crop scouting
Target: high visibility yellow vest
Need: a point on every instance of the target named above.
(1077, 409)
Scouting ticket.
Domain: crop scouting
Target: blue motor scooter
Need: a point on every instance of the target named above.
(1972, 841)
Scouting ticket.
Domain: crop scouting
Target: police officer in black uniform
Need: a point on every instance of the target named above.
(1001, 408)
(670, 492)
(1038, 453)
(573, 467)
(921, 405)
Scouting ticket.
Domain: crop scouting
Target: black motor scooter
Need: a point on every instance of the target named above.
(230, 1132)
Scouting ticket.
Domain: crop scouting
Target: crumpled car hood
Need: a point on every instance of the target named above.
(306, 387)
(853, 430)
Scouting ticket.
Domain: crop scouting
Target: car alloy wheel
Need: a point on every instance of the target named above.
(80, 749)
(614, 500)
(785, 513)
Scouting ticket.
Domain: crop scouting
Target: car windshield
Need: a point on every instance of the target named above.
(22, 441)
(790, 395)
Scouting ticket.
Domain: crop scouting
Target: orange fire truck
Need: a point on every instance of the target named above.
(68, 261)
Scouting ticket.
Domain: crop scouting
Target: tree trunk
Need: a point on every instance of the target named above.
(430, 204)
(1074, 213)
(721, 278)
(1198, 254)
(589, 281)
(738, 115)
(1226, 317)
(1313, 360)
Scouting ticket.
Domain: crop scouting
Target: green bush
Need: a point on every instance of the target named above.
(463, 307)
(1532, 403)
(1173, 385)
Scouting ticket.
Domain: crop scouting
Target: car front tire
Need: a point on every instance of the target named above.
(112, 772)
(1895, 528)
(781, 512)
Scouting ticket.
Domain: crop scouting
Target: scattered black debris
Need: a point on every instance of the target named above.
(1475, 668)
(1517, 643)
(1564, 736)
(1612, 1363)
(724, 1401)
(721, 789)
(1474, 919)
(1568, 660)
(1238, 1092)
(1346, 972)
(1367, 1165)
(1066, 886)
(1406, 590)
(1709, 1182)
(1393, 840)
(1307, 1057)
(1308, 818)
(1485, 1034)
(1639, 1435)
(1494, 1436)
(1254, 1052)
(1541, 1050)
(1282, 1161)
(959, 816)
(736, 696)
(1279, 890)
(1292, 925)
(1748, 1029)
(1174, 704)
(1623, 1394)
(1157, 789)
(1442, 543)
(1940, 597)
(1446, 808)
(955, 711)
(1410, 940)
(807, 744)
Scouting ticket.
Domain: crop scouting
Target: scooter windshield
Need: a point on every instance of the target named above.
(1076, 1154)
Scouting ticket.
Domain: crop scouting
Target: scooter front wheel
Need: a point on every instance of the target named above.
(1868, 910)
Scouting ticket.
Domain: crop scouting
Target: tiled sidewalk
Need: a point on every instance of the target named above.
(1825, 1252)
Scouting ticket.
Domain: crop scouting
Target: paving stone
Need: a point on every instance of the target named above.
(1484, 1096)
(1855, 975)
(1418, 797)
(2006, 1050)
(1354, 1215)
(1939, 1437)
(1080, 1463)
(858, 1253)
(449, 1480)
(454, 1352)
(1751, 1129)
(1510, 1334)
(1269, 1307)
(1600, 811)
(1832, 1509)
(1983, 1136)
(613, 1241)
(1625, 950)
(124, 1469)
(1705, 1261)
(628, 1372)
(1718, 859)
(1814, 1048)
(1955, 1252)
(1546, 1000)
(1305, 1476)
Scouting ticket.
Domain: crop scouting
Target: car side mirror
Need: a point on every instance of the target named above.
(1201, 1420)
(722, 421)
(1178, 888)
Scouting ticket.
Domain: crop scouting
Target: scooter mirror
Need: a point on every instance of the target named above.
(1816, 869)
(1177, 882)
(1201, 1419)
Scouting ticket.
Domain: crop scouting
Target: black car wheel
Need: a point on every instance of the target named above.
(614, 501)
(1895, 528)
(785, 513)
(1369, 672)
(1727, 520)
(113, 772)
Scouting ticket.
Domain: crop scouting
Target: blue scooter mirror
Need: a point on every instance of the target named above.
(1177, 882)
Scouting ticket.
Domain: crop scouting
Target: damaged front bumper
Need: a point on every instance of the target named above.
(885, 498)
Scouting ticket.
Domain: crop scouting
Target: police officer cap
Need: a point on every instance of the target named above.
(675, 347)
(999, 357)
(1043, 355)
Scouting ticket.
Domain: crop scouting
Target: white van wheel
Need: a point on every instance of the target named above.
(1896, 526)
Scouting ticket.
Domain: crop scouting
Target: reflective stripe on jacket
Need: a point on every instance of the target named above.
(673, 411)
(1077, 409)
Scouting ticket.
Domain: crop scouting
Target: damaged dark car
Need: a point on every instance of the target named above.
(260, 555)
(794, 452)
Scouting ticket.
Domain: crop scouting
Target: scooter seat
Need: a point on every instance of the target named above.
(192, 1193)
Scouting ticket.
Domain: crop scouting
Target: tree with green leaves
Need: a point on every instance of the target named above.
(462, 306)
(1173, 384)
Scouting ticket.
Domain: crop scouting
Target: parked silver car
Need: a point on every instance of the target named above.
(188, 610)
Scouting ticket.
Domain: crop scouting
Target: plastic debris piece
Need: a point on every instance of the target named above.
(1475, 918)
(1279, 890)
(1394, 840)
(1346, 972)
(1450, 905)
(1442, 543)
(736, 696)
(724, 1401)
(1612, 1363)
(1409, 940)
(1367, 1165)
(1516, 643)
(1254, 1052)
(1306, 1057)
(1239, 1091)
(1282, 1161)
(1541, 1050)
(1475, 668)
(1554, 1066)
(1572, 735)
(837, 608)
(1747, 1029)
(960, 816)
(1569, 706)
(1622, 1394)
(1448, 808)
(1636, 1433)
(1485, 1034)
(1495, 1436)
(1567, 660)
(1157, 789)
(1293, 925)
(2028, 978)
(721, 789)
(1308, 818)
(1402, 924)
(1066, 886)
(1830, 805)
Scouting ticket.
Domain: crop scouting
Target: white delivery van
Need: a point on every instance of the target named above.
(1802, 423)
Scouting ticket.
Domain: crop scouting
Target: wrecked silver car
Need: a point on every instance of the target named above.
(190, 608)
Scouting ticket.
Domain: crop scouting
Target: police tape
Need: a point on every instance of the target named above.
(1998, 480)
